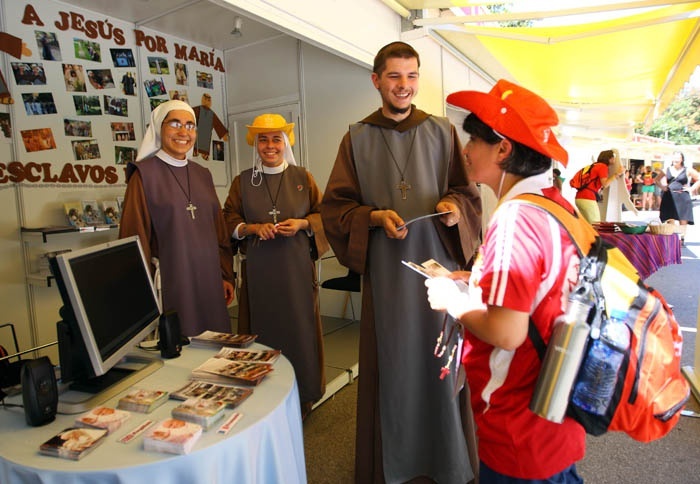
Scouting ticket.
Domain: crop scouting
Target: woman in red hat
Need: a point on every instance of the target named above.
(525, 269)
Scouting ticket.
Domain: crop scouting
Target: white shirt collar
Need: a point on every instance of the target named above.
(531, 184)
(170, 160)
(273, 170)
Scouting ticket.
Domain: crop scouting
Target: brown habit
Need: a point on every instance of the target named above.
(279, 292)
(408, 420)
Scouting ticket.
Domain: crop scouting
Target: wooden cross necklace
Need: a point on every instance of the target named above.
(190, 206)
(403, 186)
(274, 212)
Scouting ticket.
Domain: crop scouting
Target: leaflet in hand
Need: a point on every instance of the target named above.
(432, 268)
(428, 269)
(437, 214)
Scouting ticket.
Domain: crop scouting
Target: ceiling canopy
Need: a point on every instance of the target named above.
(614, 66)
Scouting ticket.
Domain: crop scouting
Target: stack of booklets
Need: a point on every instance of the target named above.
(172, 436)
(73, 443)
(223, 371)
(232, 396)
(200, 411)
(214, 338)
(260, 356)
(143, 401)
(106, 418)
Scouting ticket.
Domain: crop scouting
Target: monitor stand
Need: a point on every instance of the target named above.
(84, 395)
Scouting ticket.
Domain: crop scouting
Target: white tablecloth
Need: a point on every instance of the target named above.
(265, 446)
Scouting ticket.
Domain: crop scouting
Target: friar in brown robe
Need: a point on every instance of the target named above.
(397, 164)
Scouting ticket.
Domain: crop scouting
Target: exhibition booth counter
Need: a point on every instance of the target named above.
(265, 445)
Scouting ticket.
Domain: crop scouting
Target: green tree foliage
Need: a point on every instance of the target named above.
(680, 122)
(506, 8)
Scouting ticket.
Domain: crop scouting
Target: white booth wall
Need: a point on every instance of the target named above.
(323, 68)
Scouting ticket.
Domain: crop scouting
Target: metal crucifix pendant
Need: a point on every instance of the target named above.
(274, 212)
(191, 208)
(404, 187)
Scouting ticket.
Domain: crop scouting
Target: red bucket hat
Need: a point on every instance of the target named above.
(516, 113)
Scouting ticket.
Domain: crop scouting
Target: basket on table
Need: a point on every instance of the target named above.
(666, 228)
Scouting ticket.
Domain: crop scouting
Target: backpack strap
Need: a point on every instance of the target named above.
(582, 235)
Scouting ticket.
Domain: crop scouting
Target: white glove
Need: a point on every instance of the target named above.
(446, 294)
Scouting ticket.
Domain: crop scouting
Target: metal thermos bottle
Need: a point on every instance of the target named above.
(561, 361)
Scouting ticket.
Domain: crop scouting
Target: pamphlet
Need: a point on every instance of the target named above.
(430, 215)
(73, 443)
(432, 268)
(106, 418)
(233, 396)
(173, 436)
(428, 269)
(261, 356)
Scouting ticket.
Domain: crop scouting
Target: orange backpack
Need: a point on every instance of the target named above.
(650, 390)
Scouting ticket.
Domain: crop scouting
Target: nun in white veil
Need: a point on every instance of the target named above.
(171, 204)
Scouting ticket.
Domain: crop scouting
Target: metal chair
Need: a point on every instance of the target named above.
(351, 282)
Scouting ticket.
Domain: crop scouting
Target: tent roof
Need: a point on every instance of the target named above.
(603, 75)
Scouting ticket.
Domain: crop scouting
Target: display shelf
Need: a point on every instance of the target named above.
(37, 274)
(44, 232)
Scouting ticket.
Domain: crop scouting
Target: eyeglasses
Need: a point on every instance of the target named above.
(189, 126)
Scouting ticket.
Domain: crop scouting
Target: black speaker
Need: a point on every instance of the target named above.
(169, 331)
(39, 391)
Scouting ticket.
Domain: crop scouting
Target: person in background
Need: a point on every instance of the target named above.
(557, 179)
(658, 190)
(510, 149)
(648, 184)
(597, 179)
(272, 211)
(396, 164)
(171, 204)
(676, 202)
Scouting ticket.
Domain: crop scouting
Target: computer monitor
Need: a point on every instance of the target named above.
(109, 306)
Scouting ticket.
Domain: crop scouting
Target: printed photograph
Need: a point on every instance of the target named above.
(38, 139)
(128, 83)
(27, 74)
(179, 95)
(77, 127)
(117, 106)
(5, 97)
(86, 149)
(154, 102)
(111, 212)
(204, 79)
(85, 49)
(38, 103)
(92, 213)
(87, 105)
(74, 213)
(124, 155)
(122, 57)
(74, 77)
(154, 87)
(158, 65)
(217, 150)
(123, 131)
(100, 78)
(47, 44)
(180, 74)
(5, 127)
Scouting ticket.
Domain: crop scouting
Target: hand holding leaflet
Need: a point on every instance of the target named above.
(444, 293)
(430, 215)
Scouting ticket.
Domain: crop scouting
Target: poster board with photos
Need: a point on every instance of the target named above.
(98, 90)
